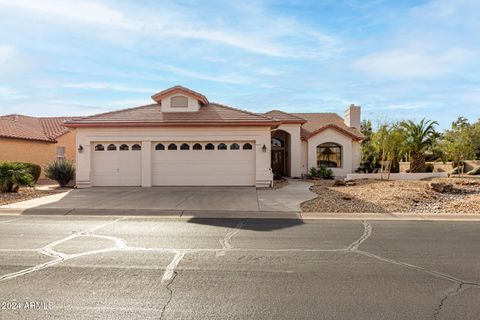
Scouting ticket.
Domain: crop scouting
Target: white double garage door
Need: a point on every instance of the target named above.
(184, 163)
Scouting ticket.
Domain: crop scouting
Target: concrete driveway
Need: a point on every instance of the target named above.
(170, 200)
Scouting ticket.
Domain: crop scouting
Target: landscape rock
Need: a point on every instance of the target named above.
(474, 171)
(350, 182)
(441, 187)
(339, 183)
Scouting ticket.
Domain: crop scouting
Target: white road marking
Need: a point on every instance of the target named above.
(59, 256)
(168, 274)
(367, 231)
(225, 242)
(121, 245)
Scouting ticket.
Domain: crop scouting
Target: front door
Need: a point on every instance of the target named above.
(278, 163)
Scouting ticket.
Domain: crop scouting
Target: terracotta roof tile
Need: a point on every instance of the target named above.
(32, 128)
(284, 117)
(211, 113)
(317, 122)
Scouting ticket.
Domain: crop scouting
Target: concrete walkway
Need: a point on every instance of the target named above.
(169, 201)
(287, 198)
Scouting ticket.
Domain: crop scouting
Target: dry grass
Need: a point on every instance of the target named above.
(393, 196)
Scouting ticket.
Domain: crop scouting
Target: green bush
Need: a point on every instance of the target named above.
(325, 173)
(313, 172)
(34, 169)
(14, 175)
(62, 171)
(320, 172)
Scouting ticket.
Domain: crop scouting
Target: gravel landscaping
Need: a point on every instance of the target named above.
(27, 194)
(395, 196)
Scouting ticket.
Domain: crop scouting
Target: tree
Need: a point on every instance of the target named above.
(369, 158)
(420, 137)
(461, 142)
(389, 145)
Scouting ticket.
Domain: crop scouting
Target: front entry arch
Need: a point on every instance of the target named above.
(280, 154)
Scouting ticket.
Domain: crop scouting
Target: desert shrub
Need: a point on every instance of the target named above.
(320, 172)
(313, 172)
(34, 169)
(61, 170)
(14, 175)
(325, 173)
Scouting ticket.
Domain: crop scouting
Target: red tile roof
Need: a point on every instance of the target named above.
(318, 122)
(151, 115)
(284, 117)
(31, 128)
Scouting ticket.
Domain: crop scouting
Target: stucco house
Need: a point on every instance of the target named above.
(182, 139)
(35, 140)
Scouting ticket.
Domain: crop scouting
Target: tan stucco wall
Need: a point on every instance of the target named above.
(36, 151)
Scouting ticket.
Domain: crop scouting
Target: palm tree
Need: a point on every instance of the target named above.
(420, 137)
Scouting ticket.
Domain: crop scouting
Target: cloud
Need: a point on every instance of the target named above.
(229, 78)
(412, 62)
(81, 11)
(10, 94)
(107, 86)
(6, 53)
(251, 28)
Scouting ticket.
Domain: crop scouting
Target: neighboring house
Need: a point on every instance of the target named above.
(184, 140)
(35, 140)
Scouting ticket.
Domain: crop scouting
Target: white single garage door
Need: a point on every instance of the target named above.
(117, 164)
(220, 163)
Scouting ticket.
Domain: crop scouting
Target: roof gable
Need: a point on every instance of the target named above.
(318, 122)
(157, 97)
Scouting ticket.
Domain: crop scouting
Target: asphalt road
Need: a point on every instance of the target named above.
(71, 267)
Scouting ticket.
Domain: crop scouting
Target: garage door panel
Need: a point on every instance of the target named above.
(203, 167)
(117, 167)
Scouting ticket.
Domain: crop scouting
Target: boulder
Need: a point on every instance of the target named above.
(350, 182)
(474, 171)
(441, 187)
(339, 183)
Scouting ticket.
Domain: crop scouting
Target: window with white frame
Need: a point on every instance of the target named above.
(60, 152)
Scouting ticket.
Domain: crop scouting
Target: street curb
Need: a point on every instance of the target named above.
(223, 214)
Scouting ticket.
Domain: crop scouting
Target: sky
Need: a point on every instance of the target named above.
(397, 59)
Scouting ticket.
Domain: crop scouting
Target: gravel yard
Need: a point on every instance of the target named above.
(395, 196)
(27, 194)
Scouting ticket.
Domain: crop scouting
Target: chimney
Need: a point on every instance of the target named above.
(352, 116)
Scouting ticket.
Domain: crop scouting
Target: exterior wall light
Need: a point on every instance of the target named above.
(264, 148)
(80, 148)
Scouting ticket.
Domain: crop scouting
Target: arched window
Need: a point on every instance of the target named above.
(222, 146)
(99, 147)
(179, 102)
(329, 155)
(111, 147)
(234, 146)
(184, 146)
(197, 146)
(247, 146)
(277, 143)
(172, 146)
(136, 147)
(159, 147)
(123, 147)
(209, 146)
